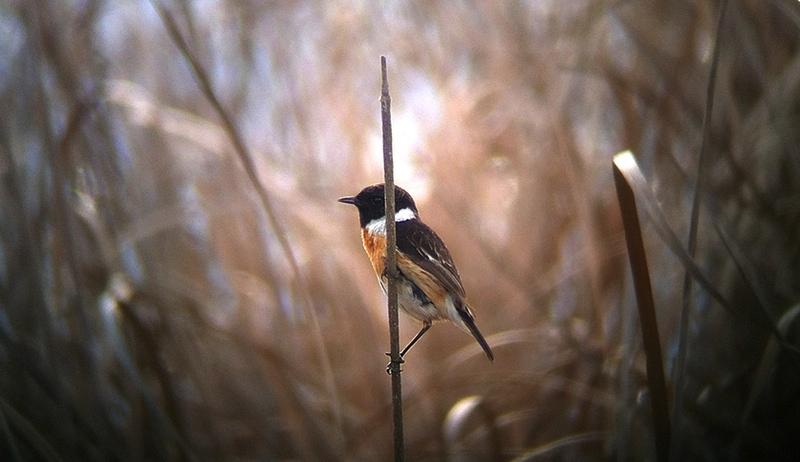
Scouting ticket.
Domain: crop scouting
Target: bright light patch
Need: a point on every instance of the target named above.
(412, 121)
(625, 161)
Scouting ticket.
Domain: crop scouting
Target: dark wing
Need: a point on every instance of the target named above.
(421, 244)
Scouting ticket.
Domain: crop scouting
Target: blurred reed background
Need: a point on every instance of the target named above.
(148, 306)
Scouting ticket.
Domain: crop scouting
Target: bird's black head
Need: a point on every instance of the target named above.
(370, 202)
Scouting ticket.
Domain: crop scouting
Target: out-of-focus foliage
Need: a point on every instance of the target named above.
(149, 311)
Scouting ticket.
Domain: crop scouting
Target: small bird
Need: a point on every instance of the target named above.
(429, 286)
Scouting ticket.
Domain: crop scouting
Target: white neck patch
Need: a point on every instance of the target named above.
(378, 225)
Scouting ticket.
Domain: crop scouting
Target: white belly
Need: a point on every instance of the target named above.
(410, 304)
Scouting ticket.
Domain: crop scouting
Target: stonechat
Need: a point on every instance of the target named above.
(429, 287)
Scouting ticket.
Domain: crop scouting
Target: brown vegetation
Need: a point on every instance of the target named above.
(156, 304)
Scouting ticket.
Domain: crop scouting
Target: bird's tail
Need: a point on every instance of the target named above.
(469, 322)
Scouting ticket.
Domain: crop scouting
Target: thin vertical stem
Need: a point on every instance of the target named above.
(683, 347)
(391, 265)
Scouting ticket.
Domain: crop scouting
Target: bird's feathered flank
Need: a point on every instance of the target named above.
(425, 248)
(419, 243)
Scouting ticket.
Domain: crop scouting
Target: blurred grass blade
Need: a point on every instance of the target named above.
(764, 373)
(462, 418)
(9, 437)
(646, 199)
(760, 293)
(246, 158)
(545, 452)
(27, 429)
(686, 309)
(751, 280)
(768, 360)
(624, 163)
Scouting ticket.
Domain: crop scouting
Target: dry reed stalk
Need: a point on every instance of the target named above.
(391, 266)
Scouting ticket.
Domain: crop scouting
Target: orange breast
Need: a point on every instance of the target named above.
(375, 246)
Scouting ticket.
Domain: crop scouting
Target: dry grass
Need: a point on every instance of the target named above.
(149, 308)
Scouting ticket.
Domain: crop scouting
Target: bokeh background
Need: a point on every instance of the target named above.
(154, 307)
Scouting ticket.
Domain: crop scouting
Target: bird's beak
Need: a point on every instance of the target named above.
(348, 200)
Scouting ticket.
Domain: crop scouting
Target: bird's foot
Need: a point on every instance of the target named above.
(389, 365)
